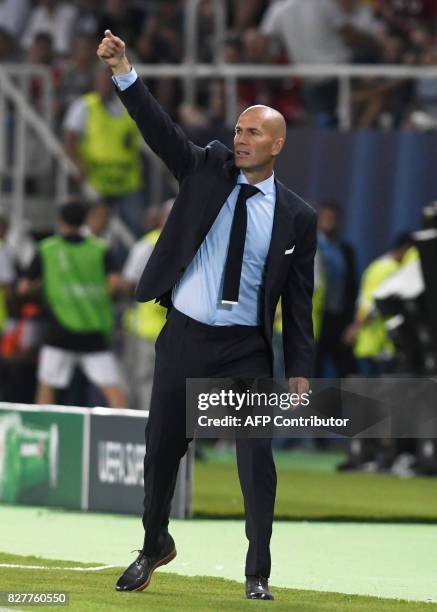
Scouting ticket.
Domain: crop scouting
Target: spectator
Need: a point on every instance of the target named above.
(340, 292)
(88, 17)
(100, 222)
(405, 14)
(232, 49)
(360, 30)
(367, 334)
(321, 32)
(7, 273)
(78, 74)
(280, 94)
(143, 321)
(41, 53)
(165, 18)
(231, 54)
(192, 119)
(97, 221)
(206, 39)
(13, 15)
(247, 14)
(374, 98)
(420, 39)
(145, 51)
(39, 167)
(40, 50)
(104, 143)
(76, 276)
(160, 38)
(160, 42)
(121, 16)
(425, 95)
(55, 18)
(8, 49)
(19, 330)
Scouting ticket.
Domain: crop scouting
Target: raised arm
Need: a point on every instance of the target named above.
(162, 135)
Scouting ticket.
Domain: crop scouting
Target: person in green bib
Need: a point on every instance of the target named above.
(368, 333)
(104, 143)
(75, 274)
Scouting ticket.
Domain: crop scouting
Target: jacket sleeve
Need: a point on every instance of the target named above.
(297, 305)
(163, 136)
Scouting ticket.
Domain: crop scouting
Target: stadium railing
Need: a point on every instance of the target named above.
(14, 88)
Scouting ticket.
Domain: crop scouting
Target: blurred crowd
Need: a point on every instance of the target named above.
(102, 140)
(83, 317)
(64, 36)
(70, 330)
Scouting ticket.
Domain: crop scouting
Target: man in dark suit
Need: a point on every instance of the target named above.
(235, 242)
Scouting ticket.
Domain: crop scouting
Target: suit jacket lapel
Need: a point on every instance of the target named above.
(219, 191)
(281, 233)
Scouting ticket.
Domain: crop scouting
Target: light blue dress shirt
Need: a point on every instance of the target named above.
(198, 292)
(126, 80)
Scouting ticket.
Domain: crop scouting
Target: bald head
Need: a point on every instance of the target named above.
(271, 119)
(259, 138)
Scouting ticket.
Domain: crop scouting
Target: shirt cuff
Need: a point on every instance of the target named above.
(126, 80)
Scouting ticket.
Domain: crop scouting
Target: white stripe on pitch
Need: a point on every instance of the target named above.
(46, 567)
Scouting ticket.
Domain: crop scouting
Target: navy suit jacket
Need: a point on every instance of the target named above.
(206, 177)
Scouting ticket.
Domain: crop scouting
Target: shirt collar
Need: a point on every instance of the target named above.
(266, 186)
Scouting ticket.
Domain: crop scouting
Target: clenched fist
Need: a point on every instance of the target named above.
(112, 51)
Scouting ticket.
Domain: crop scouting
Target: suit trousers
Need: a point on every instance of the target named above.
(185, 349)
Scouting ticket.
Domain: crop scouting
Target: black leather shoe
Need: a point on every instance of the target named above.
(257, 587)
(139, 573)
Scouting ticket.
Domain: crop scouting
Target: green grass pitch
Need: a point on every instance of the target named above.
(316, 495)
(94, 591)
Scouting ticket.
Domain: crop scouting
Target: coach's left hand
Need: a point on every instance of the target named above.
(298, 385)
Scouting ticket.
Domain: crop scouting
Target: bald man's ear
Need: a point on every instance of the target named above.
(278, 146)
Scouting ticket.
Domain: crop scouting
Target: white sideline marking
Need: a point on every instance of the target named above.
(46, 567)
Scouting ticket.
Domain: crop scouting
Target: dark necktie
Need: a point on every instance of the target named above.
(234, 260)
